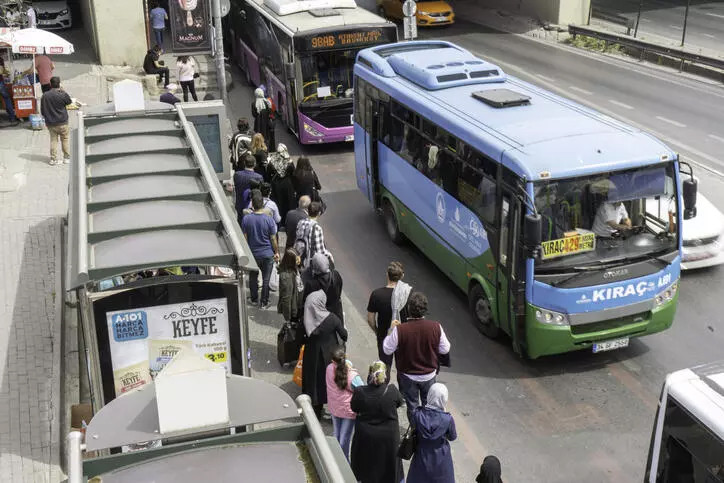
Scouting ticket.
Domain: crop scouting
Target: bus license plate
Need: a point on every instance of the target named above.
(610, 345)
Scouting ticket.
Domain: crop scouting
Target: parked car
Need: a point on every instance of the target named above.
(53, 14)
(432, 13)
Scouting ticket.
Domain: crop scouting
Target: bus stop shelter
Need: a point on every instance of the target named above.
(155, 255)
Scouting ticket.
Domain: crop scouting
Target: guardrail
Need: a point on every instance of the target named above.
(645, 47)
(615, 18)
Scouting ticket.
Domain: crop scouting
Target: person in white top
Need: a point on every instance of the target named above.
(186, 75)
(32, 18)
(610, 217)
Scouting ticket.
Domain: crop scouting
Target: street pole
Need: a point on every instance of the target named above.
(638, 18)
(219, 50)
(686, 18)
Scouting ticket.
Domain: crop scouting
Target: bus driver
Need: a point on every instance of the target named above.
(611, 217)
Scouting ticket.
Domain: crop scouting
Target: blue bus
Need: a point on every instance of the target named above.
(546, 213)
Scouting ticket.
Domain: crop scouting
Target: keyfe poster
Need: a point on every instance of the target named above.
(143, 341)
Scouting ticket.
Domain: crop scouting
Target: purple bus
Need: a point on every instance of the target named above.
(303, 52)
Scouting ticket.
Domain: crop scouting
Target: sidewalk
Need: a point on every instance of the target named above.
(33, 198)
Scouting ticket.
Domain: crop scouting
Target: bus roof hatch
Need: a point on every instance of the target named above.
(500, 98)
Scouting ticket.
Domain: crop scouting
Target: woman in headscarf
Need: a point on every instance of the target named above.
(490, 471)
(261, 109)
(324, 331)
(319, 276)
(376, 431)
(435, 428)
(280, 170)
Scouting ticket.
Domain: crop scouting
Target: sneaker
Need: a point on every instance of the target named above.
(53, 162)
(265, 305)
(249, 301)
(66, 160)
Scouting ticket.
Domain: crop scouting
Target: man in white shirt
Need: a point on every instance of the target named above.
(420, 347)
(32, 18)
(610, 217)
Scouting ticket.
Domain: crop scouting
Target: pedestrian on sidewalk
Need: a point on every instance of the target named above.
(418, 345)
(240, 143)
(260, 230)
(186, 75)
(306, 182)
(7, 100)
(283, 192)
(261, 154)
(342, 379)
(242, 182)
(153, 65)
(310, 236)
(376, 430)
(291, 288)
(44, 68)
(261, 110)
(158, 18)
(324, 278)
(294, 217)
(386, 304)
(168, 96)
(490, 471)
(273, 209)
(325, 333)
(435, 428)
(52, 107)
(32, 17)
(270, 137)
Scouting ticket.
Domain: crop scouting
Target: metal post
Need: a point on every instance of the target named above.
(219, 54)
(590, 11)
(638, 18)
(74, 462)
(329, 464)
(686, 18)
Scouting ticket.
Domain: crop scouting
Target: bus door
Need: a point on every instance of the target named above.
(507, 254)
(366, 136)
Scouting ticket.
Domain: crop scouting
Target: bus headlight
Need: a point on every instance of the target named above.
(550, 317)
(310, 130)
(667, 294)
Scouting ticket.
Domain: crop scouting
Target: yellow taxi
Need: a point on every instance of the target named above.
(436, 12)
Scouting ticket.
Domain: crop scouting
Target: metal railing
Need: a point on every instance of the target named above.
(647, 47)
(614, 18)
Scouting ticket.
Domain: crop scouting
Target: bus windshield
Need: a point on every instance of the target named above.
(327, 74)
(609, 218)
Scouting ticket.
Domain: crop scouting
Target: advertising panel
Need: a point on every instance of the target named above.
(142, 341)
(190, 21)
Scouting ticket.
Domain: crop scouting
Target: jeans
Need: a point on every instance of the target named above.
(8, 101)
(158, 34)
(265, 265)
(415, 393)
(343, 429)
(61, 131)
(188, 86)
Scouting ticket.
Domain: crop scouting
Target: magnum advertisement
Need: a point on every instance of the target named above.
(190, 32)
(143, 341)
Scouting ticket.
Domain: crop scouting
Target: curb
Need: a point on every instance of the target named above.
(57, 399)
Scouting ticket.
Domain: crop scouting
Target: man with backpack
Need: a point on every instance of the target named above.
(240, 143)
(310, 236)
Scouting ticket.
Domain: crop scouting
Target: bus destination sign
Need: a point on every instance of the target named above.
(578, 243)
(346, 40)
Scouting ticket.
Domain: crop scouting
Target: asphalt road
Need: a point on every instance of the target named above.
(573, 417)
(665, 18)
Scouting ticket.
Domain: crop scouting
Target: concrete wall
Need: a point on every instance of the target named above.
(116, 29)
(554, 11)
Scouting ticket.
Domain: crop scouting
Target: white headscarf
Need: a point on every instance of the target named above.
(261, 102)
(315, 310)
(437, 397)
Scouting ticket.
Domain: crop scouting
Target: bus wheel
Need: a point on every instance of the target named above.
(393, 228)
(481, 311)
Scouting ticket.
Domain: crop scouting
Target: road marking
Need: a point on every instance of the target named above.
(544, 78)
(670, 121)
(676, 27)
(578, 89)
(709, 35)
(714, 15)
(645, 20)
(718, 138)
(620, 104)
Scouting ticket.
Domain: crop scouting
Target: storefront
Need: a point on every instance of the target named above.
(156, 258)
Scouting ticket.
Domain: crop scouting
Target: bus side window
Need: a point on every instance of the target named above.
(504, 230)
(360, 102)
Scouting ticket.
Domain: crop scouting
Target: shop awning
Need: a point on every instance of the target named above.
(143, 195)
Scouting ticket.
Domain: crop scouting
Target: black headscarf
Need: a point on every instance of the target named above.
(490, 471)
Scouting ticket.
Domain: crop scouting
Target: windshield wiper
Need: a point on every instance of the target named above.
(579, 271)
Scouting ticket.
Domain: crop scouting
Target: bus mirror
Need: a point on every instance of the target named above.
(532, 231)
(290, 71)
(690, 188)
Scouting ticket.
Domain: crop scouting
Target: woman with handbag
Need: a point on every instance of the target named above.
(306, 182)
(376, 430)
(342, 379)
(324, 331)
(290, 303)
(186, 75)
(434, 428)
